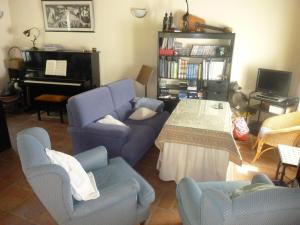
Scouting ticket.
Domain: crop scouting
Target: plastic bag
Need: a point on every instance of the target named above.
(240, 129)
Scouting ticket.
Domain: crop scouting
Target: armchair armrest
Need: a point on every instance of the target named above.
(269, 200)
(153, 104)
(109, 196)
(93, 159)
(261, 178)
(189, 198)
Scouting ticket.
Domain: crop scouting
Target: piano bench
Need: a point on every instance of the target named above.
(58, 101)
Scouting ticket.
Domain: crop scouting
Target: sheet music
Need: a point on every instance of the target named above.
(50, 67)
(56, 67)
(61, 68)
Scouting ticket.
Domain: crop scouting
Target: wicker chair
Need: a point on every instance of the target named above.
(282, 129)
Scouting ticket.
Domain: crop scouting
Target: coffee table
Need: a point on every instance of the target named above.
(197, 141)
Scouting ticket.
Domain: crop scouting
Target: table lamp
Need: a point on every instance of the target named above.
(144, 76)
(29, 33)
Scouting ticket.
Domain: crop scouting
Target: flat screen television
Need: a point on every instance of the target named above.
(273, 82)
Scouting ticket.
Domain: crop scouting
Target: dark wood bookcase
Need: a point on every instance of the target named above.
(193, 65)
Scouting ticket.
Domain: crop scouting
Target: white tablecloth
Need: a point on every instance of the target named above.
(177, 161)
(196, 141)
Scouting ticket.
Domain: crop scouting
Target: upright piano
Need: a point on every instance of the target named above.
(82, 73)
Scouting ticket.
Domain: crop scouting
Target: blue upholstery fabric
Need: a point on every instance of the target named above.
(140, 140)
(88, 106)
(125, 197)
(153, 104)
(207, 203)
(122, 92)
(93, 159)
(113, 137)
(124, 111)
(154, 122)
(117, 99)
(35, 140)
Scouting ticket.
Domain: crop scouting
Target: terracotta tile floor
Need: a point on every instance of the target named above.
(18, 204)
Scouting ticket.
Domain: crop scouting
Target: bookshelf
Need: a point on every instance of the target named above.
(194, 65)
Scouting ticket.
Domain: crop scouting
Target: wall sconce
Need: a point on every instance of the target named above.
(1, 13)
(33, 32)
(139, 12)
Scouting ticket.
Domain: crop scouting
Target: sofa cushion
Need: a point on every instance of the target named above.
(116, 173)
(89, 106)
(140, 139)
(122, 92)
(156, 122)
(124, 111)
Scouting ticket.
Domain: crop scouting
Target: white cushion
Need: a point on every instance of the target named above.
(83, 184)
(142, 113)
(108, 119)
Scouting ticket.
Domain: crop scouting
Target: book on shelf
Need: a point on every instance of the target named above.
(166, 52)
(168, 43)
(213, 70)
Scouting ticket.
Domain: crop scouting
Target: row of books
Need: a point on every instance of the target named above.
(168, 43)
(181, 95)
(180, 69)
(203, 50)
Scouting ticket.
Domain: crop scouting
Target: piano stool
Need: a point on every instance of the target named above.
(49, 100)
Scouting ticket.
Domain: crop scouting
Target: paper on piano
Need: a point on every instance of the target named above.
(56, 67)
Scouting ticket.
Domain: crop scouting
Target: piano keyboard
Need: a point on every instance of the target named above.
(52, 82)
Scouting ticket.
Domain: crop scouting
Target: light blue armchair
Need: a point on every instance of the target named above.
(208, 203)
(125, 196)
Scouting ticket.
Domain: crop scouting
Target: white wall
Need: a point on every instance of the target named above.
(5, 40)
(265, 34)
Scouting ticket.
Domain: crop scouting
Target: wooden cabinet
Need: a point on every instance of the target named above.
(4, 140)
(194, 65)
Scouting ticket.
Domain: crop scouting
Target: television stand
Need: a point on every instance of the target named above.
(273, 105)
(274, 98)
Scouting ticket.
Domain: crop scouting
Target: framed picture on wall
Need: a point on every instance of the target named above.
(69, 16)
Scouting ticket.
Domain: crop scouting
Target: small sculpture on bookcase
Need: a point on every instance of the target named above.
(170, 23)
(185, 18)
(165, 22)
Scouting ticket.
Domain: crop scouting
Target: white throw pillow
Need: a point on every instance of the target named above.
(108, 119)
(142, 113)
(83, 184)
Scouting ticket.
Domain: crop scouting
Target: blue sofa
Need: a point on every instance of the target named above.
(117, 100)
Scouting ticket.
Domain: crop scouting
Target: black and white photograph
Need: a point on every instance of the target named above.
(68, 16)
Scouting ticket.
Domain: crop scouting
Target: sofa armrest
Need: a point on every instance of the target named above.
(153, 104)
(93, 159)
(261, 178)
(110, 196)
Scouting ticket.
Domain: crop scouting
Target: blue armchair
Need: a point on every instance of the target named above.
(125, 196)
(208, 203)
